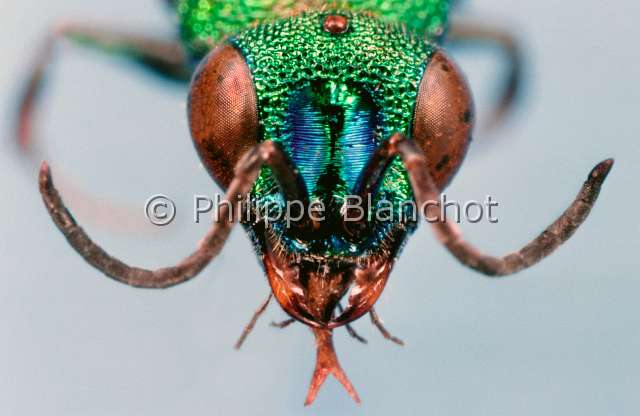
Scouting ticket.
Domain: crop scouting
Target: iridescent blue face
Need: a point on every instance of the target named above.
(331, 130)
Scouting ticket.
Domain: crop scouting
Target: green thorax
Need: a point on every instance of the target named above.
(205, 22)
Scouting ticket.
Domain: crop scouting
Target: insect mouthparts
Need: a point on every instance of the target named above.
(327, 363)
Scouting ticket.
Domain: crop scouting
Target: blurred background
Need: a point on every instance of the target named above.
(559, 339)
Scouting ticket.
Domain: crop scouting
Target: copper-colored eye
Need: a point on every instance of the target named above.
(223, 113)
(443, 118)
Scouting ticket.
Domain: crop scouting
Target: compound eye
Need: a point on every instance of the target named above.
(223, 114)
(443, 118)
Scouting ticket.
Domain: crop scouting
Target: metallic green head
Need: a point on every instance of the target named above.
(328, 87)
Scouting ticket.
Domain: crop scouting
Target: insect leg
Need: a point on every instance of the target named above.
(375, 319)
(246, 172)
(352, 332)
(165, 57)
(162, 56)
(284, 324)
(477, 33)
(425, 192)
(252, 322)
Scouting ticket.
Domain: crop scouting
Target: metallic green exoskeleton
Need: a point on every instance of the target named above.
(330, 101)
(305, 105)
(328, 85)
(204, 22)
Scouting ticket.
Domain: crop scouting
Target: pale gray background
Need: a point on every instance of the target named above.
(559, 339)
